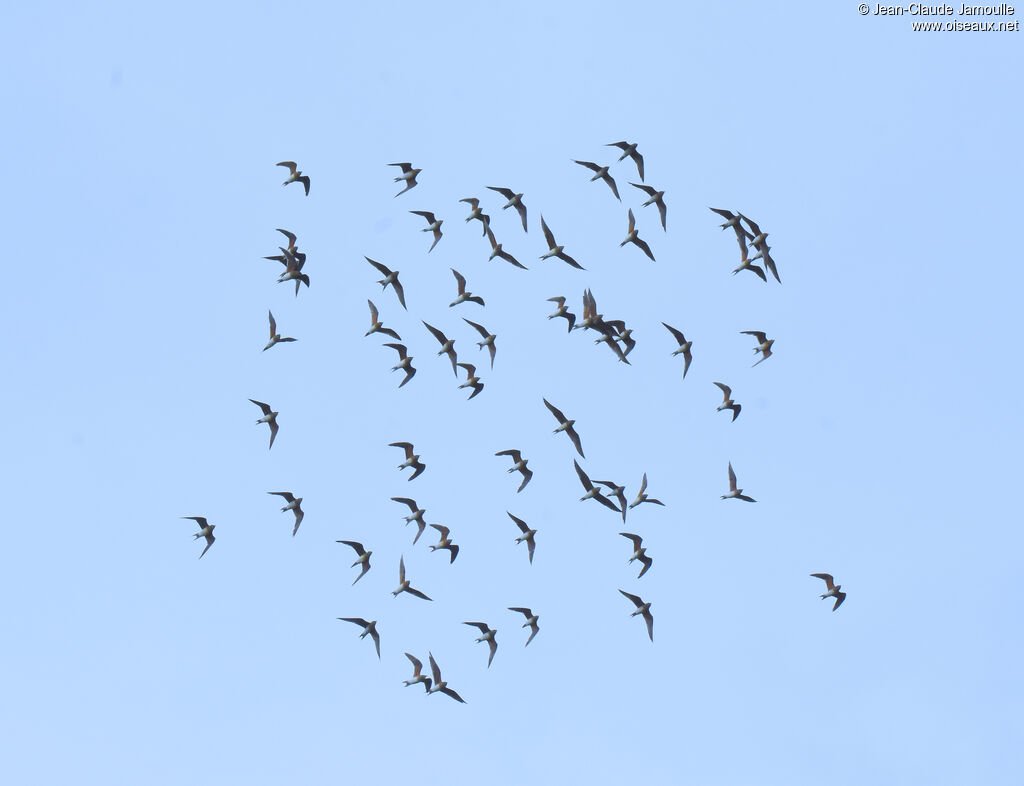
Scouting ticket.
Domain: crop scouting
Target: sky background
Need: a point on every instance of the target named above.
(881, 440)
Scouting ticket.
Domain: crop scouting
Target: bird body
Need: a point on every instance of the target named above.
(205, 531)
(531, 620)
(833, 589)
(735, 493)
(369, 629)
(408, 176)
(269, 417)
(363, 556)
(295, 175)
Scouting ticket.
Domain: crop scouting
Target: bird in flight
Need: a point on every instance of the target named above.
(496, 251)
(757, 240)
(555, 250)
(390, 277)
(294, 505)
(472, 380)
(403, 583)
(488, 636)
(656, 198)
(566, 425)
(514, 200)
(528, 534)
(417, 677)
(764, 344)
(833, 589)
(368, 628)
(445, 543)
(639, 552)
(644, 609)
(642, 496)
(269, 417)
(275, 337)
(439, 684)
(412, 459)
(463, 294)
(404, 362)
(362, 554)
(477, 213)
(531, 620)
(748, 264)
(433, 225)
(518, 463)
(488, 338)
(447, 346)
(408, 175)
(206, 531)
(563, 311)
(376, 326)
(733, 220)
(296, 176)
(683, 348)
(593, 492)
(629, 149)
(728, 403)
(602, 172)
(417, 515)
(735, 493)
(633, 237)
(619, 492)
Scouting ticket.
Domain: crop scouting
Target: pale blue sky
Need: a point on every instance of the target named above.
(881, 440)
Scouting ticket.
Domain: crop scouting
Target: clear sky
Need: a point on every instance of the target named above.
(881, 439)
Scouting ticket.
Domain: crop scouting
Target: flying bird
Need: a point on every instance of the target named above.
(531, 620)
(292, 240)
(488, 637)
(472, 380)
(528, 534)
(728, 403)
(404, 362)
(591, 319)
(514, 200)
(368, 628)
(293, 272)
(644, 609)
(593, 492)
(629, 149)
(403, 583)
(390, 277)
(656, 198)
(439, 684)
(463, 294)
(275, 337)
(445, 543)
(642, 496)
(563, 311)
(376, 326)
(683, 348)
(408, 175)
(296, 176)
(205, 531)
(417, 515)
(833, 589)
(417, 677)
(733, 220)
(477, 213)
(433, 225)
(602, 172)
(496, 251)
(757, 240)
(609, 339)
(619, 492)
(294, 505)
(269, 417)
(488, 338)
(447, 347)
(735, 493)
(362, 554)
(518, 464)
(412, 459)
(566, 425)
(634, 237)
(555, 250)
(748, 264)
(639, 552)
(764, 344)
(617, 329)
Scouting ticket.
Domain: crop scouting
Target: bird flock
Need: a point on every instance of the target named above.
(612, 332)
